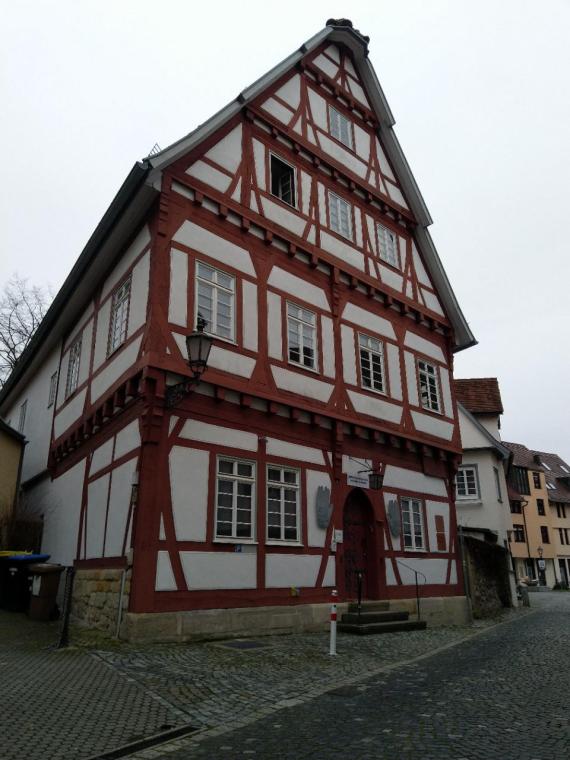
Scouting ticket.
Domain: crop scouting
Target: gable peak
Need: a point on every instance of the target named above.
(346, 23)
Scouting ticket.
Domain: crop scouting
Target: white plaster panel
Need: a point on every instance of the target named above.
(276, 109)
(428, 424)
(249, 315)
(431, 301)
(136, 247)
(278, 448)
(419, 267)
(122, 361)
(352, 467)
(97, 492)
(403, 251)
(102, 457)
(213, 570)
(391, 278)
(434, 569)
(259, 160)
(315, 480)
(375, 407)
(74, 334)
(178, 301)
(329, 369)
(214, 246)
(394, 375)
(139, 295)
(343, 156)
(282, 216)
(231, 361)
(390, 576)
(409, 290)
(322, 204)
(384, 163)
(433, 510)
(370, 223)
(325, 65)
(189, 472)
(358, 226)
(209, 175)
(411, 378)
(223, 436)
(286, 570)
(362, 142)
(274, 334)
(446, 391)
(367, 320)
(342, 250)
(181, 190)
(119, 502)
(412, 480)
(358, 92)
(291, 91)
(164, 576)
(295, 286)
(329, 578)
(102, 336)
(162, 532)
(127, 439)
(306, 182)
(333, 52)
(424, 346)
(297, 382)
(396, 195)
(227, 152)
(69, 414)
(348, 354)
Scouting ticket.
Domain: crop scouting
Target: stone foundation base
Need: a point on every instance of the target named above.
(195, 625)
(96, 598)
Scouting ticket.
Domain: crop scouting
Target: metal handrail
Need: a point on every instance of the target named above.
(416, 573)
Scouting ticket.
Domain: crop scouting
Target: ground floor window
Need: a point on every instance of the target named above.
(282, 503)
(413, 525)
(235, 488)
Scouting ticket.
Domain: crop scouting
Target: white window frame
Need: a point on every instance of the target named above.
(427, 370)
(414, 509)
(498, 484)
(336, 218)
(300, 324)
(236, 478)
(375, 349)
(294, 175)
(119, 322)
(22, 418)
(212, 327)
(283, 486)
(388, 245)
(73, 367)
(472, 492)
(337, 121)
(52, 389)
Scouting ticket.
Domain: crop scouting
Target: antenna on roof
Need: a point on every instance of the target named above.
(154, 150)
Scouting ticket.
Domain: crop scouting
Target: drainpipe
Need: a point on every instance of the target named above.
(524, 504)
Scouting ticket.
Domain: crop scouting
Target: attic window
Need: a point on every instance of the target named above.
(340, 127)
(387, 245)
(282, 181)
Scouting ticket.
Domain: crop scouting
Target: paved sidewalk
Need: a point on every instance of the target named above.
(99, 694)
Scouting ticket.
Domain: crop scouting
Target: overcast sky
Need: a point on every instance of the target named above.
(480, 93)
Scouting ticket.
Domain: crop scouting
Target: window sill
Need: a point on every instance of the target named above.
(312, 370)
(229, 540)
(470, 502)
(274, 542)
(289, 206)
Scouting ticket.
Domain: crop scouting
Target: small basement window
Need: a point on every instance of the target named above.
(282, 181)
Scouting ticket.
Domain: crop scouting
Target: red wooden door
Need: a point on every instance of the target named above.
(358, 546)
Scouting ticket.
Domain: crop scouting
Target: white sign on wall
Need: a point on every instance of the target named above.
(359, 481)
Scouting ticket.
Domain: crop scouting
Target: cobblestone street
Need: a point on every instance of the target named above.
(439, 693)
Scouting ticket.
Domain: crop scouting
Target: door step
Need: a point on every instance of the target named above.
(373, 617)
(365, 629)
(369, 606)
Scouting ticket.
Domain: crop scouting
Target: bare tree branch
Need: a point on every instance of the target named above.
(22, 308)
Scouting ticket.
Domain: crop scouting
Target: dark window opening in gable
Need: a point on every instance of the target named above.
(282, 181)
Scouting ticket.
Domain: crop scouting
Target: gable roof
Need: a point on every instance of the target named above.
(480, 395)
(523, 457)
(557, 475)
(5, 428)
(501, 449)
(144, 181)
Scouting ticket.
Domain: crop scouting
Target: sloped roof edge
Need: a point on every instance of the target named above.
(9, 430)
(504, 452)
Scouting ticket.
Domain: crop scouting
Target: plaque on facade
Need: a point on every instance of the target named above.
(323, 506)
(361, 480)
(394, 518)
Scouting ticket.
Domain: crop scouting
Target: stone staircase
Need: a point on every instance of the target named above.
(377, 617)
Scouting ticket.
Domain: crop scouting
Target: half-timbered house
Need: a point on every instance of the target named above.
(291, 225)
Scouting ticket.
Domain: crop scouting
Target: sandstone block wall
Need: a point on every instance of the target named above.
(96, 597)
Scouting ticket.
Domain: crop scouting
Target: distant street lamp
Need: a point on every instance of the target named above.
(541, 566)
(198, 346)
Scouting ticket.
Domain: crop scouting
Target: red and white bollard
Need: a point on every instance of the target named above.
(332, 646)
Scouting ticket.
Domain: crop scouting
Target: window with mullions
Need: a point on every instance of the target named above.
(119, 316)
(282, 504)
(518, 534)
(340, 216)
(466, 482)
(302, 336)
(215, 293)
(282, 181)
(536, 479)
(540, 507)
(52, 389)
(341, 127)
(235, 499)
(413, 525)
(387, 245)
(429, 388)
(371, 363)
(544, 534)
(73, 368)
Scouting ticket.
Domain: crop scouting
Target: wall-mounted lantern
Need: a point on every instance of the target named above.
(198, 347)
